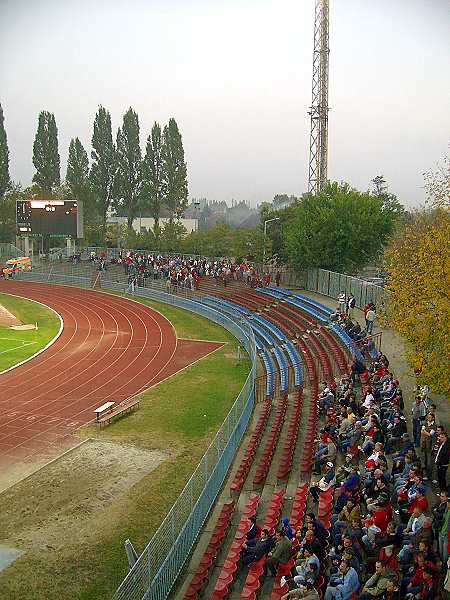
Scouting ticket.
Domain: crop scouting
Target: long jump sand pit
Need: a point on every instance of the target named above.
(69, 501)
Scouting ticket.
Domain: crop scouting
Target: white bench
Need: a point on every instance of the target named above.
(102, 409)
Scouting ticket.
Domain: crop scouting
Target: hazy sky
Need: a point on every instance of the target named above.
(236, 75)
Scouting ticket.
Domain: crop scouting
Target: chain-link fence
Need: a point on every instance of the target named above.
(157, 568)
(332, 284)
(8, 251)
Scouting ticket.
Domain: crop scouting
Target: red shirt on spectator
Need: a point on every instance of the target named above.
(421, 502)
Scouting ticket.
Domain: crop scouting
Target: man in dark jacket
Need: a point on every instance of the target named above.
(442, 459)
(255, 551)
(395, 433)
(281, 554)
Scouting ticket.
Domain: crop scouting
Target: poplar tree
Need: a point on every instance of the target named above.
(77, 169)
(129, 172)
(104, 164)
(4, 157)
(45, 153)
(154, 177)
(176, 171)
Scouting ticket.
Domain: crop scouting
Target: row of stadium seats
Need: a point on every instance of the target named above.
(247, 460)
(256, 571)
(226, 575)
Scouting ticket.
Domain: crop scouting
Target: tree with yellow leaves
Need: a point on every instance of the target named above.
(418, 263)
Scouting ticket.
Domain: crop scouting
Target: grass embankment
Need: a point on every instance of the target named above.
(16, 346)
(90, 566)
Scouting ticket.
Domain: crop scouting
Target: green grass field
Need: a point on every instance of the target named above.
(16, 346)
(170, 418)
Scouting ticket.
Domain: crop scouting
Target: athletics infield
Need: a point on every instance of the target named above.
(109, 349)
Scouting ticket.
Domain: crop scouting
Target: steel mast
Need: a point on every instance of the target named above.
(318, 143)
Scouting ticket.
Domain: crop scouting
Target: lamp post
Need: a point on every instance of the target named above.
(265, 232)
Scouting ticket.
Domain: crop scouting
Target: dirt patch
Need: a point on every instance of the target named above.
(66, 500)
(7, 319)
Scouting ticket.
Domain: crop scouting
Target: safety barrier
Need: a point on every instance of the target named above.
(332, 284)
(157, 568)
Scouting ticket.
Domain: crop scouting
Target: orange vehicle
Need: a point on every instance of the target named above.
(17, 264)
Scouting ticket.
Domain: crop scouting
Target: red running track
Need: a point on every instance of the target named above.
(110, 348)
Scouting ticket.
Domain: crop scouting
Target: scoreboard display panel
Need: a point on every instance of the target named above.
(49, 217)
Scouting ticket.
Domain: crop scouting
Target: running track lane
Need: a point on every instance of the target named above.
(110, 349)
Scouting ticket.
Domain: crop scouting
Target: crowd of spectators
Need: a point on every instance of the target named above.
(181, 272)
(388, 535)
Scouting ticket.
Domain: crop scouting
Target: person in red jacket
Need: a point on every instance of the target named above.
(419, 500)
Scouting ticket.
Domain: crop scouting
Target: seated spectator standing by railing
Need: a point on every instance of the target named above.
(442, 459)
(418, 412)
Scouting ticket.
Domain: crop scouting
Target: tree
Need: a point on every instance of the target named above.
(129, 172)
(4, 157)
(104, 165)
(339, 229)
(172, 235)
(437, 184)
(390, 201)
(77, 175)
(154, 177)
(379, 185)
(419, 304)
(8, 212)
(176, 171)
(45, 153)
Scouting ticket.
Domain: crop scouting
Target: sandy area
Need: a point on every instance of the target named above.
(66, 499)
(6, 318)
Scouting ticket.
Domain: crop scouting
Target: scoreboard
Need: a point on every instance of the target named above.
(59, 218)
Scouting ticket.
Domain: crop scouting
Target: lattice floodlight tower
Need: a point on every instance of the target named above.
(318, 143)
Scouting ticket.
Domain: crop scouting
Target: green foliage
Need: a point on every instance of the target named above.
(176, 170)
(104, 164)
(77, 169)
(4, 158)
(390, 201)
(221, 240)
(154, 184)
(339, 229)
(45, 153)
(275, 231)
(129, 175)
(437, 184)
(171, 236)
(8, 212)
(77, 179)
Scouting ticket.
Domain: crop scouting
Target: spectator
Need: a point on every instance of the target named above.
(325, 483)
(419, 412)
(342, 302)
(444, 534)
(351, 303)
(342, 585)
(370, 319)
(306, 592)
(287, 529)
(256, 549)
(442, 460)
(280, 555)
(376, 585)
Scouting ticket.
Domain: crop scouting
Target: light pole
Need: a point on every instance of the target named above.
(265, 232)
